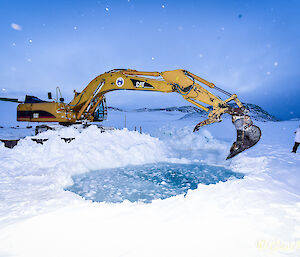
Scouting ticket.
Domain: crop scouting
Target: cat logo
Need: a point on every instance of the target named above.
(141, 84)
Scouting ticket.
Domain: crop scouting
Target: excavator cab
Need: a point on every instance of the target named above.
(100, 113)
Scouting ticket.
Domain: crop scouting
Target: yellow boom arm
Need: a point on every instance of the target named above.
(180, 81)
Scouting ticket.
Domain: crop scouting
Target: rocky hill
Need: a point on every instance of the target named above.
(255, 111)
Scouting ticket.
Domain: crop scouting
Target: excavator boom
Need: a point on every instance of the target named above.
(91, 101)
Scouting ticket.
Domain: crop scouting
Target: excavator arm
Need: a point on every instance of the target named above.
(185, 83)
(179, 81)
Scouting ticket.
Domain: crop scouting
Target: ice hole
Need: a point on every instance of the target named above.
(145, 183)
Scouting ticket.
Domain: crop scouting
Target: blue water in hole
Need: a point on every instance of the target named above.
(147, 182)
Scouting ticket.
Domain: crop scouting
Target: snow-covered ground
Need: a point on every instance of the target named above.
(257, 215)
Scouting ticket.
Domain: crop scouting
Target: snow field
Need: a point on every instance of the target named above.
(39, 218)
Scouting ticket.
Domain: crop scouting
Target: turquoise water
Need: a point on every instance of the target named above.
(147, 182)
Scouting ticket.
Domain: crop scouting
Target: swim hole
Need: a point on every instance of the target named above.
(145, 183)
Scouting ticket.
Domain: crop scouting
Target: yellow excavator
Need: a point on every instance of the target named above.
(90, 104)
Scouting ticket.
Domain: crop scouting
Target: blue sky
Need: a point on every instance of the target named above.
(250, 48)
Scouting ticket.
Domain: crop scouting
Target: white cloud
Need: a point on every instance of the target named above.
(16, 26)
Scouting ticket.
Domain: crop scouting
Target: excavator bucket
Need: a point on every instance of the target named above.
(247, 135)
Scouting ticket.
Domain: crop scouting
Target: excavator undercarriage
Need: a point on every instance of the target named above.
(90, 104)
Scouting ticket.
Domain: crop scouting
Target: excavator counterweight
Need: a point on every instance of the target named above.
(90, 104)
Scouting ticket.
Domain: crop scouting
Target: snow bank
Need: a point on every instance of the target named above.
(91, 150)
(198, 147)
